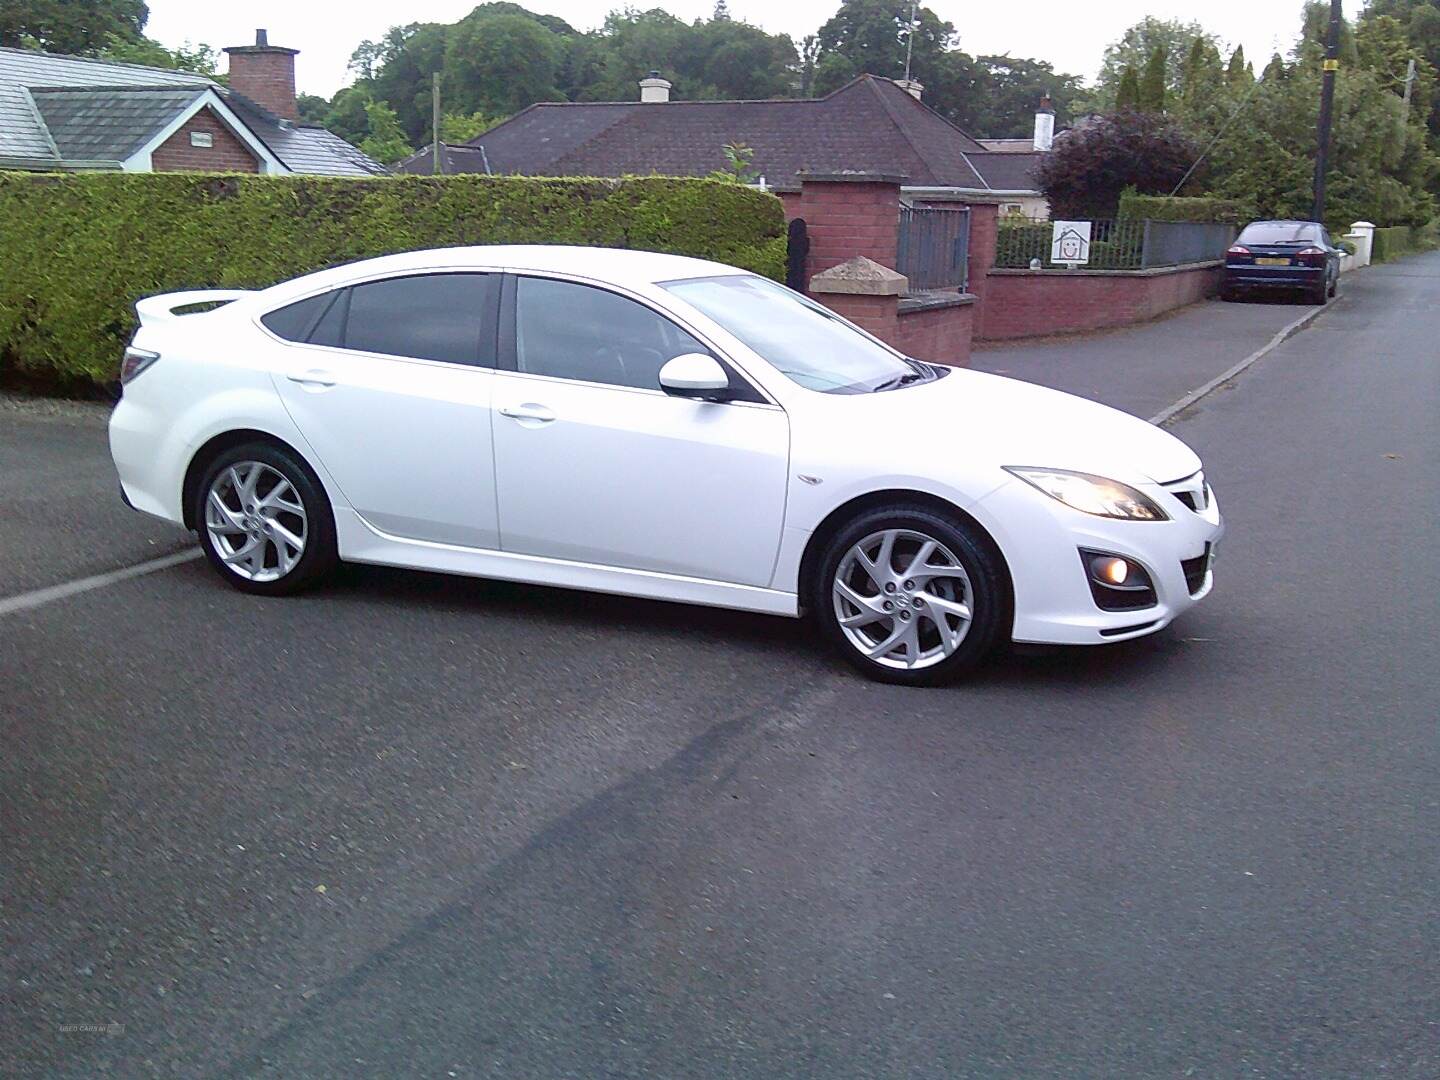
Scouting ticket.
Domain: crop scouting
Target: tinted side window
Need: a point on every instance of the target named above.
(577, 332)
(429, 316)
(294, 322)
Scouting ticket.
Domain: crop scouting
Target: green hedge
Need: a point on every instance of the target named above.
(79, 250)
(1183, 208)
(1397, 240)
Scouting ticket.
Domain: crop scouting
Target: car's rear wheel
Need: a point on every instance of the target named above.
(908, 595)
(264, 521)
(1319, 294)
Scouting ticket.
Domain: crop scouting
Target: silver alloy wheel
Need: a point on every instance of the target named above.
(902, 599)
(256, 521)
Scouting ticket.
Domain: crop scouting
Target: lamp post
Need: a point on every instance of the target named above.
(1327, 107)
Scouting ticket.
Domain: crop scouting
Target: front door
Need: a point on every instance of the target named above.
(595, 463)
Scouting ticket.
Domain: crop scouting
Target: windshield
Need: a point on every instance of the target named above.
(803, 340)
(1280, 232)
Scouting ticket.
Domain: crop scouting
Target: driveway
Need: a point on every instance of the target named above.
(415, 825)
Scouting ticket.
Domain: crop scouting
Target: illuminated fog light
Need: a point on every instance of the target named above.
(1113, 571)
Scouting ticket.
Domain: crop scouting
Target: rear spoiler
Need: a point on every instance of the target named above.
(154, 309)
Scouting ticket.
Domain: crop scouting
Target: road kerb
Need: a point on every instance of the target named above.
(1283, 334)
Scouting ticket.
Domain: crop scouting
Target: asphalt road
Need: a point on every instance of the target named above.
(413, 825)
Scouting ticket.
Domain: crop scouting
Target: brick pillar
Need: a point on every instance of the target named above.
(848, 215)
(984, 235)
(865, 292)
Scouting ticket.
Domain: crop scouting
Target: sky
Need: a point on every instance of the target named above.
(1070, 35)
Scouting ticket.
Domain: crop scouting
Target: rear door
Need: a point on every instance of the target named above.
(390, 382)
(595, 463)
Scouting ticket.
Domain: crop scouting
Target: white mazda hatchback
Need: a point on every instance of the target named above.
(654, 426)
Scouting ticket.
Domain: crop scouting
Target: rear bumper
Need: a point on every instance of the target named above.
(1273, 277)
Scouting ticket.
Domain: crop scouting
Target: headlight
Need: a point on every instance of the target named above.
(1092, 494)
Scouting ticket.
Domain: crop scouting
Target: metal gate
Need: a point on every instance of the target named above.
(934, 247)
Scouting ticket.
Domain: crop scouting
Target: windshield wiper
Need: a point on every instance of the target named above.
(919, 373)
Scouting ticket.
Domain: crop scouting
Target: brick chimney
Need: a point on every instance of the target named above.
(265, 74)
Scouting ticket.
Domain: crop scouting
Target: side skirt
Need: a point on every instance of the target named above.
(361, 542)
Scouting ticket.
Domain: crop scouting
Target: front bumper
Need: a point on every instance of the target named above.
(1053, 602)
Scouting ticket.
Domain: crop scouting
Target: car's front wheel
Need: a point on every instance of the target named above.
(910, 596)
(264, 521)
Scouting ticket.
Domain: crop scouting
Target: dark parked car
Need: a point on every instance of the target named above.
(1274, 255)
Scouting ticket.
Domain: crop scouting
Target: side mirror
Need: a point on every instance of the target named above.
(695, 375)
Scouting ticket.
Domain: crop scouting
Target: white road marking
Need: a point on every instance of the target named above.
(12, 605)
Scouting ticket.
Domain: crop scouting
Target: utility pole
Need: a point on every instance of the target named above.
(1409, 83)
(1327, 107)
(438, 167)
(910, 40)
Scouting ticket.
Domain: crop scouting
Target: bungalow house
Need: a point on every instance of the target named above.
(871, 124)
(69, 113)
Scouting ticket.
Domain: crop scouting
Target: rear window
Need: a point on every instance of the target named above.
(294, 322)
(1280, 232)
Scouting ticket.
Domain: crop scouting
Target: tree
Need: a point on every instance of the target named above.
(1134, 48)
(500, 64)
(400, 68)
(833, 71)
(1152, 81)
(461, 127)
(1203, 74)
(349, 115)
(1127, 96)
(201, 59)
(873, 36)
(1006, 92)
(63, 26)
(386, 141)
(1089, 168)
(1238, 72)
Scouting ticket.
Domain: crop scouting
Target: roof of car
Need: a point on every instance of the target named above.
(620, 266)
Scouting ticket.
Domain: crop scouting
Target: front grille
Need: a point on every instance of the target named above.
(1195, 570)
(1192, 491)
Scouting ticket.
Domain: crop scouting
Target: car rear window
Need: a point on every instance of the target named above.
(448, 317)
(1280, 232)
(294, 322)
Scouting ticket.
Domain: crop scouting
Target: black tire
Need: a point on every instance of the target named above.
(1334, 287)
(1317, 296)
(321, 552)
(988, 583)
(1229, 296)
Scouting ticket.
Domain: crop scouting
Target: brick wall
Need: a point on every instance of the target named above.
(938, 334)
(1030, 303)
(228, 154)
(876, 314)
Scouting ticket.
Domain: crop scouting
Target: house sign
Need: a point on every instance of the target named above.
(1070, 242)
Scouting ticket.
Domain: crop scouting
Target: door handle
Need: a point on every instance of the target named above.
(537, 414)
(312, 378)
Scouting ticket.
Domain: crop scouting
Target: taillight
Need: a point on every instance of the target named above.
(1311, 256)
(1238, 249)
(135, 361)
